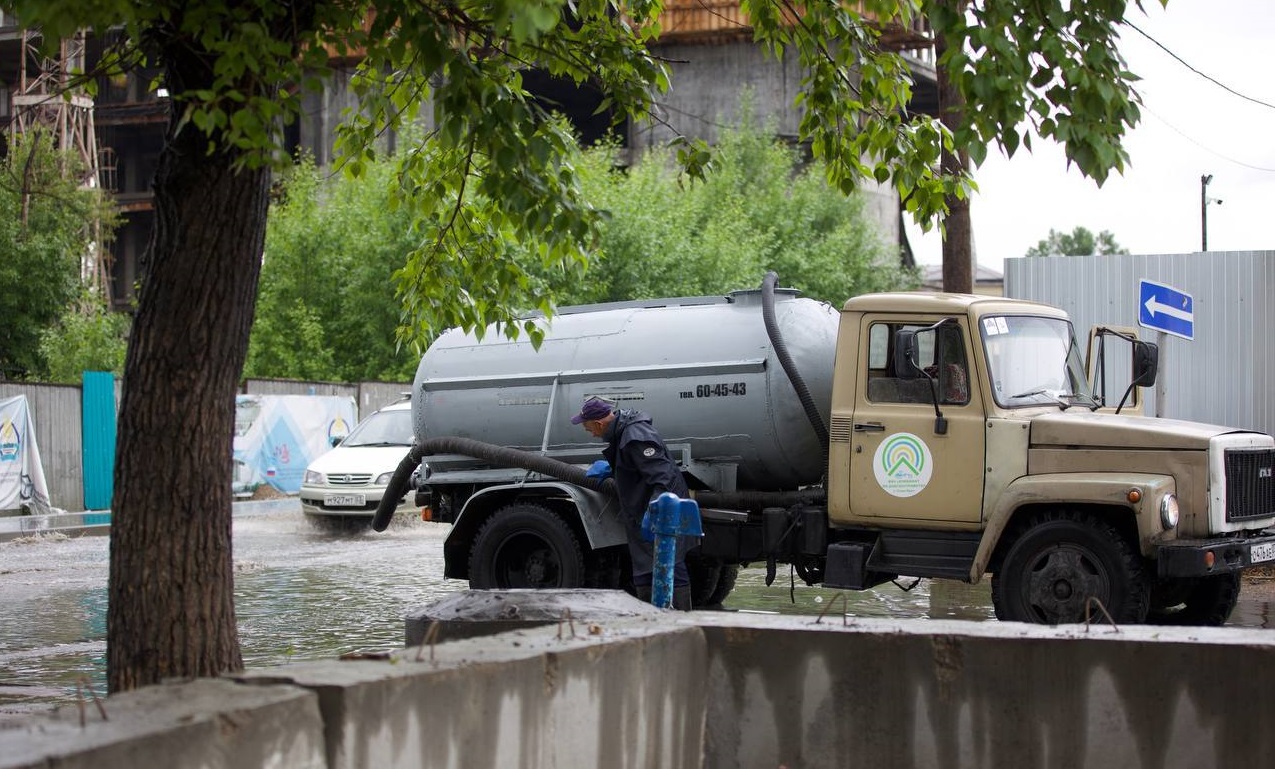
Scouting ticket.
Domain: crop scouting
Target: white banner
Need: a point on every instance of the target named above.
(276, 436)
(22, 484)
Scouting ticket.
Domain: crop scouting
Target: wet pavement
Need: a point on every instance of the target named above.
(305, 594)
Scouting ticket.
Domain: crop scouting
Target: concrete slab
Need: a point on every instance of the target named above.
(207, 723)
(471, 613)
(627, 694)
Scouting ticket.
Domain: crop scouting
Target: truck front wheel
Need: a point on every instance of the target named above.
(1200, 601)
(525, 546)
(1062, 558)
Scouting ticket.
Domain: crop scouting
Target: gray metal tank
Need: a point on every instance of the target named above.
(703, 368)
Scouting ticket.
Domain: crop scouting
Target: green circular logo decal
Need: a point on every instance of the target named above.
(903, 465)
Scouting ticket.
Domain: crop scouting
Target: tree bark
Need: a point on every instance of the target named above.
(958, 248)
(171, 609)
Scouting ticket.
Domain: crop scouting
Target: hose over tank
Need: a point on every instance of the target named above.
(785, 360)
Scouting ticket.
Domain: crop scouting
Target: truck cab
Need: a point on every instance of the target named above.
(965, 439)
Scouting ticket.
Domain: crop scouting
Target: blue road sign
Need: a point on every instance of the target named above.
(1166, 309)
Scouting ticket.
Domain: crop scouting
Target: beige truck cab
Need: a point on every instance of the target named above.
(966, 438)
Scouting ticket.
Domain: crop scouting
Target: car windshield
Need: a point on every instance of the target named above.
(1034, 360)
(384, 428)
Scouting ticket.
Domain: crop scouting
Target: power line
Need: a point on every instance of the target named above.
(1183, 62)
(1209, 150)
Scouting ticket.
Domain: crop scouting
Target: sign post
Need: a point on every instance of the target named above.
(1169, 311)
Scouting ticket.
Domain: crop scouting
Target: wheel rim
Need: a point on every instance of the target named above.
(526, 560)
(1060, 580)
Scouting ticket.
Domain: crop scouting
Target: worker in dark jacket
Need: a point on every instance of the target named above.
(643, 469)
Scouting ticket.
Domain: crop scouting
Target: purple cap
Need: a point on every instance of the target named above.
(593, 408)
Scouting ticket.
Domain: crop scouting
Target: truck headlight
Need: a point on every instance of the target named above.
(1169, 510)
(384, 479)
(312, 478)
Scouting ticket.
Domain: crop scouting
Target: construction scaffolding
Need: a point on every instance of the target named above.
(46, 98)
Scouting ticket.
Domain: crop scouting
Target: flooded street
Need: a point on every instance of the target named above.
(304, 594)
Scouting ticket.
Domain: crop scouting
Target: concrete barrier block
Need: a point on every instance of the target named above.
(924, 693)
(471, 613)
(580, 696)
(204, 724)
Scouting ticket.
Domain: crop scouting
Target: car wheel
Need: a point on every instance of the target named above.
(525, 546)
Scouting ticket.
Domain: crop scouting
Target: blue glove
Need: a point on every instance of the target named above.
(599, 469)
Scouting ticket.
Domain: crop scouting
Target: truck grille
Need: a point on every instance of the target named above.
(349, 479)
(1250, 489)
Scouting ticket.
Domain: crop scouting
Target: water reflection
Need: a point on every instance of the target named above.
(300, 594)
(909, 598)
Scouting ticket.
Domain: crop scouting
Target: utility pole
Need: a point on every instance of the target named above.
(1204, 210)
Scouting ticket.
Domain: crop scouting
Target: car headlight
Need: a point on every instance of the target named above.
(384, 479)
(1169, 510)
(313, 478)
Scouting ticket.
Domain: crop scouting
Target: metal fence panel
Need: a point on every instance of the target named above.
(1225, 375)
(55, 411)
(377, 395)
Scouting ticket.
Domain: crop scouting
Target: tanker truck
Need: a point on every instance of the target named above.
(906, 435)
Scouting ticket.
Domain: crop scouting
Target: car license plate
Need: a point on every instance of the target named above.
(349, 500)
(1263, 552)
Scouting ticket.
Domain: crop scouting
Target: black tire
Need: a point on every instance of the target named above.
(1061, 558)
(1200, 601)
(725, 584)
(525, 546)
(711, 581)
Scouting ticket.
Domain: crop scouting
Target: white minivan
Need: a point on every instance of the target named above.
(345, 485)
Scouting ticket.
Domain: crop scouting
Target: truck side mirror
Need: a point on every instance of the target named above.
(905, 354)
(1146, 362)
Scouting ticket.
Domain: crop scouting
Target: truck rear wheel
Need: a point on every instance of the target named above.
(711, 581)
(525, 546)
(1062, 558)
(1202, 601)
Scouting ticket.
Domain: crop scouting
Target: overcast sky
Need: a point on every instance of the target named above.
(1190, 127)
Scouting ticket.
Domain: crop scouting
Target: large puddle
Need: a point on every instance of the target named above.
(302, 594)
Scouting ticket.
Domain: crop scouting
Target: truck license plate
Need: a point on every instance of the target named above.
(1263, 552)
(358, 500)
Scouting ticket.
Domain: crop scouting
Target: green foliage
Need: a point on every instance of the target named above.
(88, 337)
(756, 209)
(326, 308)
(40, 266)
(1046, 68)
(1079, 242)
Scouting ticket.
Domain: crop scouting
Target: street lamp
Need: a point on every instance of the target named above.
(1204, 210)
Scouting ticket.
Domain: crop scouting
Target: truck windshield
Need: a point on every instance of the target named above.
(1034, 360)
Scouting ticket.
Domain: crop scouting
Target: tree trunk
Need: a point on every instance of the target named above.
(171, 609)
(958, 249)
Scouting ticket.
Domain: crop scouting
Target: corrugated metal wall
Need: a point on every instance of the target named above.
(58, 418)
(1226, 374)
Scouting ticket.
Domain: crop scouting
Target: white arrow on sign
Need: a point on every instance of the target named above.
(1153, 306)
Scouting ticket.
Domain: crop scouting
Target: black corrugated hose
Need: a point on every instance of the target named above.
(785, 360)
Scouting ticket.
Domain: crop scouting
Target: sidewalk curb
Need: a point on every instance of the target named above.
(98, 522)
